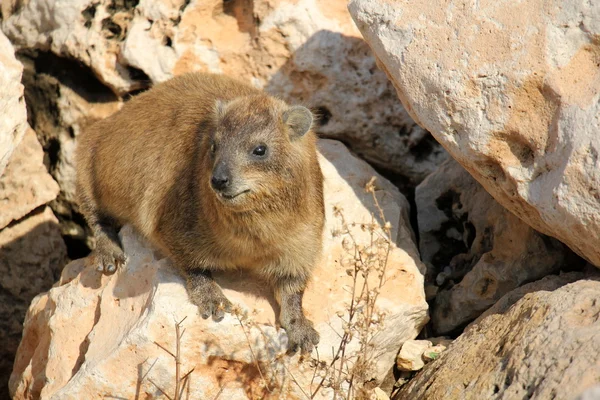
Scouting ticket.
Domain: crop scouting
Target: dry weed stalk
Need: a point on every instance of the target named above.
(348, 375)
(180, 382)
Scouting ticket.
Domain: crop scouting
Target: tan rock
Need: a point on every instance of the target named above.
(539, 342)
(511, 92)
(113, 349)
(26, 183)
(305, 51)
(13, 116)
(410, 357)
(475, 249)
(32, 254)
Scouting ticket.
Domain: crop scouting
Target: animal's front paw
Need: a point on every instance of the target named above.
(301, 335)
(108, 257)
(213, 302)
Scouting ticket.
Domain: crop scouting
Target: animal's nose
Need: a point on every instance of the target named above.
(219, 182)
(220, 178)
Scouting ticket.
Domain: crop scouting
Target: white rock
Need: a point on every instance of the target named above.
(511, 90)
(13, 115)
(410, 357)
(112, 348)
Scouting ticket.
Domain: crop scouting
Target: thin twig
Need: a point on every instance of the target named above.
(295, 381)
(165, 349)
(220, 391)
(178, 358)
(252, 353)
(162, 391)
(149, 369)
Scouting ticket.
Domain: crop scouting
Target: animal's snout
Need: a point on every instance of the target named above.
(220, 178)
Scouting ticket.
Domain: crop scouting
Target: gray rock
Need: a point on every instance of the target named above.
(474, 248)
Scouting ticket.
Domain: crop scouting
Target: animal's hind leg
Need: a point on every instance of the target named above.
(108, 254)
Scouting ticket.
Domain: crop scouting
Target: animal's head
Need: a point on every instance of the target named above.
(258, 152)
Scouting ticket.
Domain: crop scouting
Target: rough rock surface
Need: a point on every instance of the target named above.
(32, 254)
(304, 51)
(410, 357)
(63, 97)
(475, 250)
(111, 351)
(538, 342)
(26, 183)
(13, 116)
(511, 90)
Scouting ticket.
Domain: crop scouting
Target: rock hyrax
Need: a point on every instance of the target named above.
(218, 175)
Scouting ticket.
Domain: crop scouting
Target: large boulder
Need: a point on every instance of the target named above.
(305, 51)
(32, 254)
(126, 322)
(538, 342)
(475, 250)
(13, 115)
(512, 92)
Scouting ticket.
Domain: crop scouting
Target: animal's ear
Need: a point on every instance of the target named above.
(219, 108)
(299, 119)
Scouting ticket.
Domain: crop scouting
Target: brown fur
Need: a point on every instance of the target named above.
(150, 164)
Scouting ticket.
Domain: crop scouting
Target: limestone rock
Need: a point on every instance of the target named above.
(410, 357)
(113, 350)
(478, 249)
(512, 92)
(539, 342)
(13, 116)
(304, 51)
(356, 103)
(26, 183)
(32, 254)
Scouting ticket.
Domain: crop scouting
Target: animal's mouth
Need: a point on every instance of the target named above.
(229, 196)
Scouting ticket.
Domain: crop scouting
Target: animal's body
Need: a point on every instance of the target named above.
(219, 176)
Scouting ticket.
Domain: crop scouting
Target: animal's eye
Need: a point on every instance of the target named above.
(260, 150)
(213, 148)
